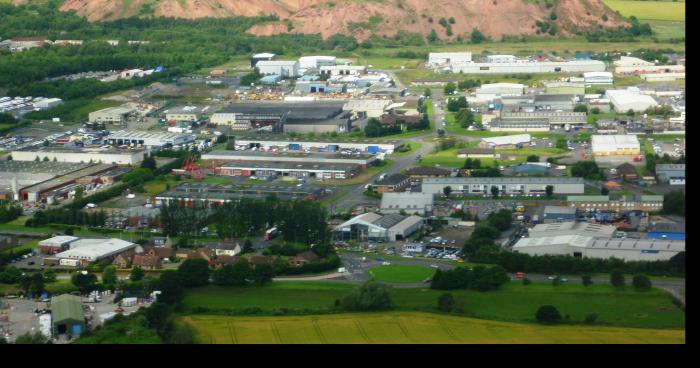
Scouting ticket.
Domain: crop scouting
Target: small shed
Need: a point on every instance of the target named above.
(67, 315)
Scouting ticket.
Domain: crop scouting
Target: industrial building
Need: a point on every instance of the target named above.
(506, 186)
(283, 68)
(506, 141)
(422, 172)
(272, 116)
(57, 244)
(540, 102)
(341, 70)
(596, 78)
(296, 170)
(673, 174)
(565, 88)
(501, 59)
(367, 108)
(151, 140)
(372, 226)
(632, 65)
(447, 58)
(77, 154)
(15, 174)
(581, 246)
(315, 62)
(84, 251)
(409, 202)
(112, 115)
(571, 228)
(624, 100)
(308, 87)
(60, 187)
(391, 183)
(619, 144)
(184, 113)
(290, 157)
(574, 66)
(369, 146)
(663, 77)
(217, 194)
(67, 315)
(492, 91)
(558, 214)
(265, 56)
(477, 153)
(537, 121)
(590, 203)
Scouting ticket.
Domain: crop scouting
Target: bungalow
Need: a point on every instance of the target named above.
(627, 172)
(258, 260)
(303, 258)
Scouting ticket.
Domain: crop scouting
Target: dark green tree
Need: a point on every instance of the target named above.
(370, 296)
(446, 302)
(84, 281)
(586, 280)
(549, 190)
(194, 272)
(447, 191)
(233, 275)
(617, 278)
(109, 275)
(641, 282)
(450, 88)
(136, 274)
(171, 287)
(494, 191)
(547, 314)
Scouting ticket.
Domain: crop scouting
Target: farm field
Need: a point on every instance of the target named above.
(648, 10)
(408, 327)
(514, 302)
(402, 273)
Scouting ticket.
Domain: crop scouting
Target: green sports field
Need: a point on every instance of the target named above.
(402, 273)
(409, 327)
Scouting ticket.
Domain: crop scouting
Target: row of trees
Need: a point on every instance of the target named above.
(9, 211)
(479, 278)
(481, 243)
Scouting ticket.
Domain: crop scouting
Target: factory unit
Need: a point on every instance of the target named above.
(624, 100)
(628, 61)
(271, 116)
(420, 203)
(492, 91)
(307, 87)
(446, 58)
(581, 246)
(372, 226)
(315, 62)
(383, 146)
(84, 251)
(265, 56)
(57, 244)
(565, 88)
(339, 124)
(575, 66)
(290, 157)
(184, 113)
(15, 174)
(506, 141)
(67, 315)
(367, 108)
(506, 186)
(60, 186)
(530, 103)
(596, 78)
(538, 121)
(501, 59)
(152, 140)
(283, 68)
(673, 174)
(112, 115)
(663, 77)
(558, 214)
(336, 70)
(391, 183)
(47, 103)
(216, 194)
(619, 144)
(296, 170)
(590, 203)
(649, 69)
(571, 227)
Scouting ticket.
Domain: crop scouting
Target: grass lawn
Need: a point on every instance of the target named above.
(413, 145)
(407, 327)
(215, 180)
(448, 158)
(402, 273)
(647, 10)
(514, 302)
(29, 245)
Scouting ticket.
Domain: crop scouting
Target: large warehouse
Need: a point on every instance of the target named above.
(618, 144)
(630, 99)
(271, 116)
(369, 146)
(506, 141)
(216, 194)
(309, 62)
(111, 115)
(84, 251)
(446, 58)
(517, 186)
(282, 68)
(586, 246)
(148, 139)
(297, 170)
(372, 226)
(574, 66)
(290, 157)
(76, 154)
(542, 120)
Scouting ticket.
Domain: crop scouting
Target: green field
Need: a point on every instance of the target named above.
(448, 158)
(402, 273)
(649, 10)
(514, 302)
(409, 327)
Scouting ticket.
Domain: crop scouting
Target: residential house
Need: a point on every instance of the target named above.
(187, 254)
(228, 248)
(123, 260)
(147, 262)
(225, 260)
(627, 172)
(258, 260)
(303, 258)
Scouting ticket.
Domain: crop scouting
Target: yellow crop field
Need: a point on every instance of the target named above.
(410, 327)
(649, 10)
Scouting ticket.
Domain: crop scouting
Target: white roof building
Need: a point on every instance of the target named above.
(489, 92)
(631, 61)
(598, 78)
(58, 240)
(572, 228)
(630, 99)
(308, 62)
(92, 250)
(443, 58)
(507, 140)
(283, 68)
(373, 226)
(409, 202)
(374, 108)
(617, 144)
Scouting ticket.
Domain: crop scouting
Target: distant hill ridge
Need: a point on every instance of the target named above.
(363, 18)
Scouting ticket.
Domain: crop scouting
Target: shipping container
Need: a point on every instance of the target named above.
(294, 147)
(373, 149)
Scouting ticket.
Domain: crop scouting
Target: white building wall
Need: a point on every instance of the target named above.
(126, 158)
(530, 67)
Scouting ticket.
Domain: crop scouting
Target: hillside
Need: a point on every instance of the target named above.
(362, 18)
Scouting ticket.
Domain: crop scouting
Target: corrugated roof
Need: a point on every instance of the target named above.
(66, 307)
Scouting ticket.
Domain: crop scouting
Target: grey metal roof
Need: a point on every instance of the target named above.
(388, 221)
(492, 180)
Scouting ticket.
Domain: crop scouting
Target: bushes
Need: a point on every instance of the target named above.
(641, 282)
(446, 302)
(548, 314)
(617, 278)
(371, 296)
(480, 278)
